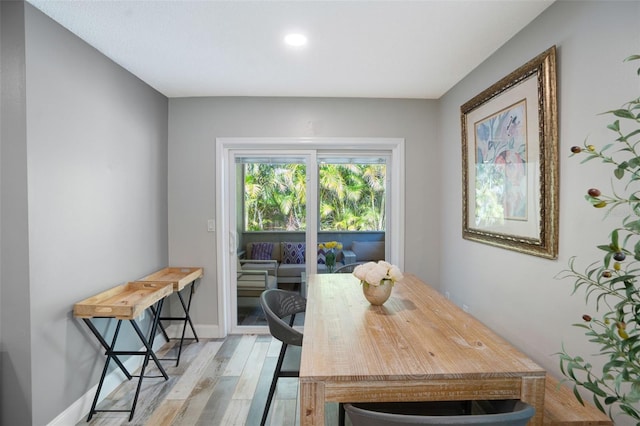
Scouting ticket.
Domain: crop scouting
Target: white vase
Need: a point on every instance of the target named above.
(377, 294)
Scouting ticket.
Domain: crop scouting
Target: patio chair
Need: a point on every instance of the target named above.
(251, 283)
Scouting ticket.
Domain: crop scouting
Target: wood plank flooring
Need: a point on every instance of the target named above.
(218, 382)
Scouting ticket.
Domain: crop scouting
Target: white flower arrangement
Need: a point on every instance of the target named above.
(373, 273)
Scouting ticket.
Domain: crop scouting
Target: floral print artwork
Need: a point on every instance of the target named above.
(501, 166)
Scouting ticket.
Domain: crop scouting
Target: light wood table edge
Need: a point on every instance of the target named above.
(314, 394)
(422, 390)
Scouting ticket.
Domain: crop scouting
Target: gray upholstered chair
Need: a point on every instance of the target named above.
(251, 283)
(495, 413)
(278, 305)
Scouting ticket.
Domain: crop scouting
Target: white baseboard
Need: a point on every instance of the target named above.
(79, 410)
(174, 331)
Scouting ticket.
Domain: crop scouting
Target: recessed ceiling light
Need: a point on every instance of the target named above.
(295, 39)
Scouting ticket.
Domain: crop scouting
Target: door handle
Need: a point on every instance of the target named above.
(232, 242)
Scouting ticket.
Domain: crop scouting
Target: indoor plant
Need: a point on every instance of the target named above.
(329, 249)
(613, 281)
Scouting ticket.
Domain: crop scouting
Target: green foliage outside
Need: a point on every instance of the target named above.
(352, 197)
(612, 282)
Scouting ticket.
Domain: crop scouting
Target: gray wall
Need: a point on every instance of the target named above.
(195, 123)
(515, 294)
(90, 158)
(15, 322)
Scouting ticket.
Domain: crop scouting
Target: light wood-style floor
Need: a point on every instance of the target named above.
(218, 382)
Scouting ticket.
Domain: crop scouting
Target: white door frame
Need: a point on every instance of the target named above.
(225, 184)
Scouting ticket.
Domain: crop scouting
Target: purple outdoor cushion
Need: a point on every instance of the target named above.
(261, 251)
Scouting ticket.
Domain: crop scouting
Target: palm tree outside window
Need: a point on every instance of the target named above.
(352, 195)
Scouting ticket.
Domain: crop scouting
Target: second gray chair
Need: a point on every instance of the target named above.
(498, 413)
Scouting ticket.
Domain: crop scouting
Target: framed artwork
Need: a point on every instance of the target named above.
(510, 161)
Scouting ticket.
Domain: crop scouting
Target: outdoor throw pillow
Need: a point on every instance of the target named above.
(261, 251)
(293, 253)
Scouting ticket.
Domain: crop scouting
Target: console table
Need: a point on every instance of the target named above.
(125, 302)
(180, 278)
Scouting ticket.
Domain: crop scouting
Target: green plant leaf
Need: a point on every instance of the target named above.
(622, 278)
(597, 403)
(631, 411)
(610, 400)
(593, 387)
(615, 239)
(578, 396)
(589, 158)
(630, 135)
(615, 126)
(622, 113)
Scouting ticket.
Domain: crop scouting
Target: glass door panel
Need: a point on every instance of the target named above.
(352, 200)
(271, 213)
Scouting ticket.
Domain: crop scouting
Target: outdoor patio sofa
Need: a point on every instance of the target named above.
(291, 257)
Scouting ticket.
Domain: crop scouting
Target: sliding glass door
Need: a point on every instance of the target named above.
(280, 208)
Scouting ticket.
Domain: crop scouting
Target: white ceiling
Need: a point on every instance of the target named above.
(374, 49)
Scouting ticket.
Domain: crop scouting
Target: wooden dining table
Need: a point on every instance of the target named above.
(418, 346)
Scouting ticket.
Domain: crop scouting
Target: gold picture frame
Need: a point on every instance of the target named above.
(510, 161)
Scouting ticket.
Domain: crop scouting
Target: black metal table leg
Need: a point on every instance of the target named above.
(106, 364)
(149, 353)
(104, 344)
(185, 319)
(164, 332)
(187, 309)
(111, 353)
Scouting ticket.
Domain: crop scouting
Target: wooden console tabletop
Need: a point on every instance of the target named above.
(126, 301)
(418, 346)
(180, 277)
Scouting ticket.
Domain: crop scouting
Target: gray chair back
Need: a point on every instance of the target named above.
(504, 413)
(278, 304)
(348, 268)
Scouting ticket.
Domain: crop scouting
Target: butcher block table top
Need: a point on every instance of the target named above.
(418, 346)
(179, 277)
(126, 301)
